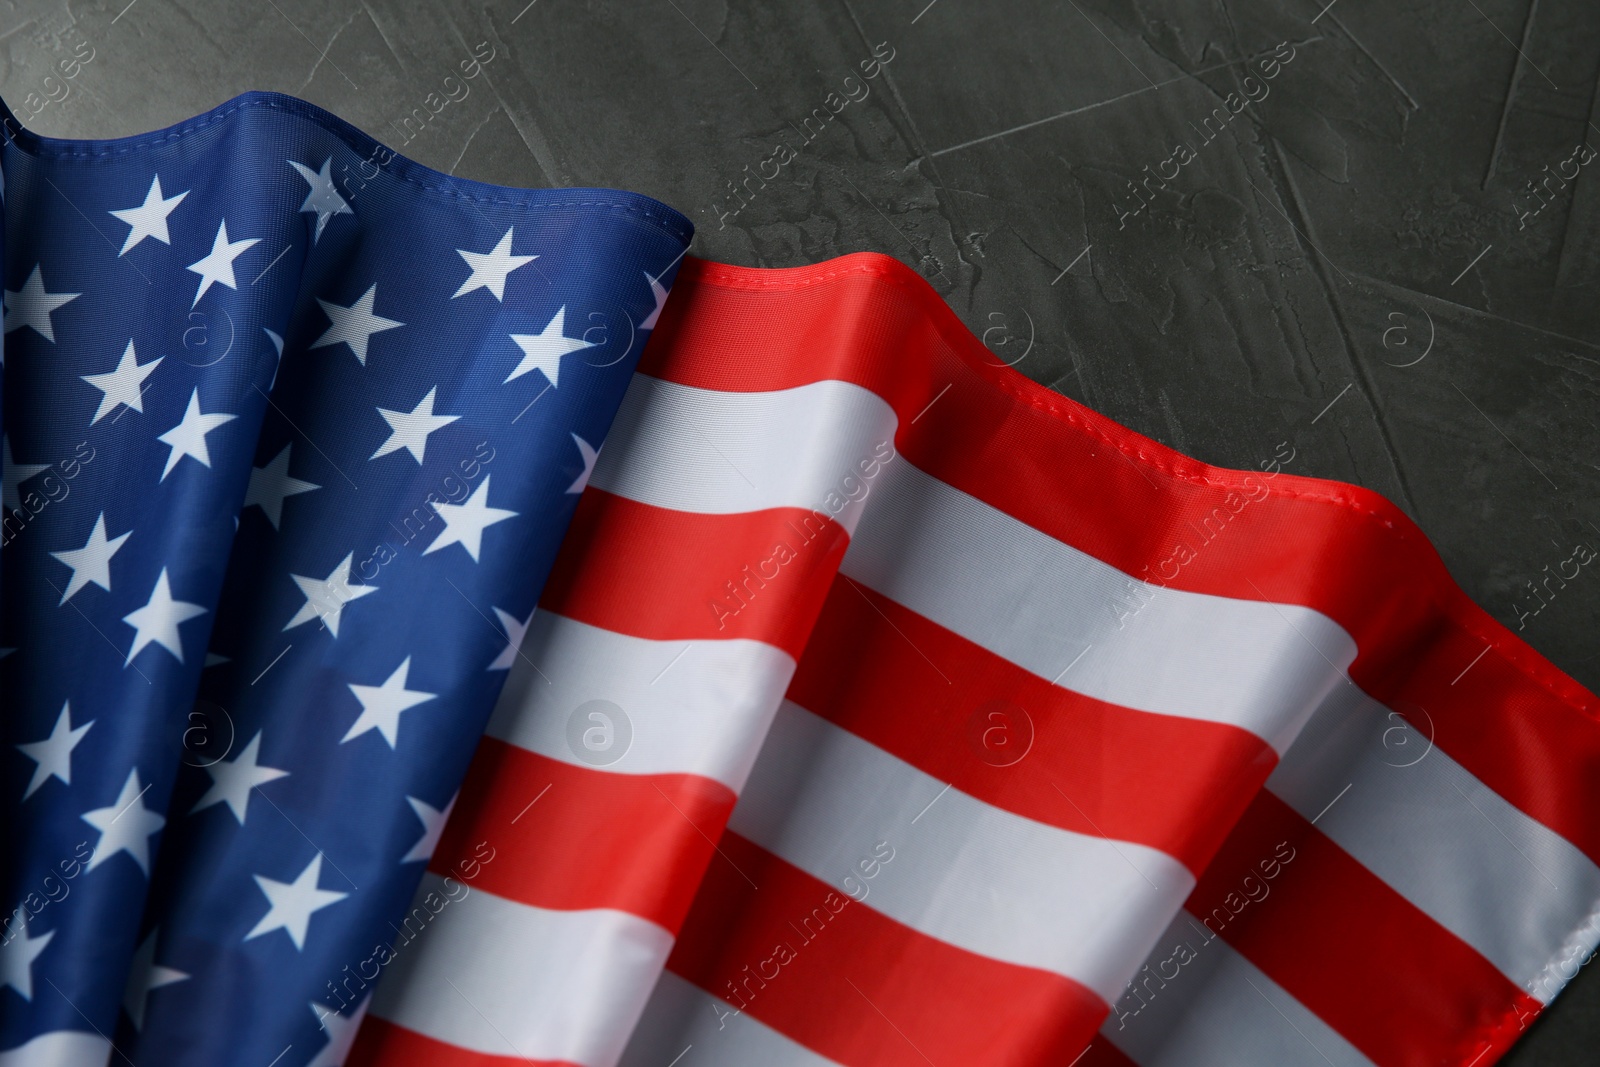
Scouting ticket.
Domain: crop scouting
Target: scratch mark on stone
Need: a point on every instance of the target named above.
(714, 44)
(189, 17)
(1511, 92)
(7, 35)
(1302, 234)
(1096, 26)
(528, 142)
(1526, 28)
(1565, 266)
(1476, 312)
(475, 131)
(1401, 89)
(1178, 439)
(923, 256)
(1186, 76)
(323, 55)
(1352, 354)
(1502, 433)
(957, 222)
(384, 34)
(538, 148)
(1043, 258)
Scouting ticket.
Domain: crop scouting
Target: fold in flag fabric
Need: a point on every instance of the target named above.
(292, 425)
(885, 708)
(877, 707)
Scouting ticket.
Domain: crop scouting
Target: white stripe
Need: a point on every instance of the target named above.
(961, 871)
(682, 1016)
(1501, 881)
(1041, 604)
(494, 976)
(60, 1048)
(692, 707)
(1198, 1003)
(676, 446)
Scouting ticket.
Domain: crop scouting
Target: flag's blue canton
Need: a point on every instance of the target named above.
(292, 431)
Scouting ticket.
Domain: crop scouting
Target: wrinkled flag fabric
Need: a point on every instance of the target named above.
(291, 423)
(886, 708)
(881, 707)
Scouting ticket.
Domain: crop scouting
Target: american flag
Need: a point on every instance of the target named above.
(287, 438)
(881, 707)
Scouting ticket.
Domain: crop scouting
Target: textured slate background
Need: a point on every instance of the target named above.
(1282, 287)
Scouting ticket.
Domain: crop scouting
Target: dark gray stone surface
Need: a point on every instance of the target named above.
(1344, 266)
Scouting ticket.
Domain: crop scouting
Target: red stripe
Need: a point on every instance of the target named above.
(1523, 728)
(860, 988)
(1171, 783)
(1102, 1053)
(386, 1043)
(1394, 983)
(656, 573)
(572, 838)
